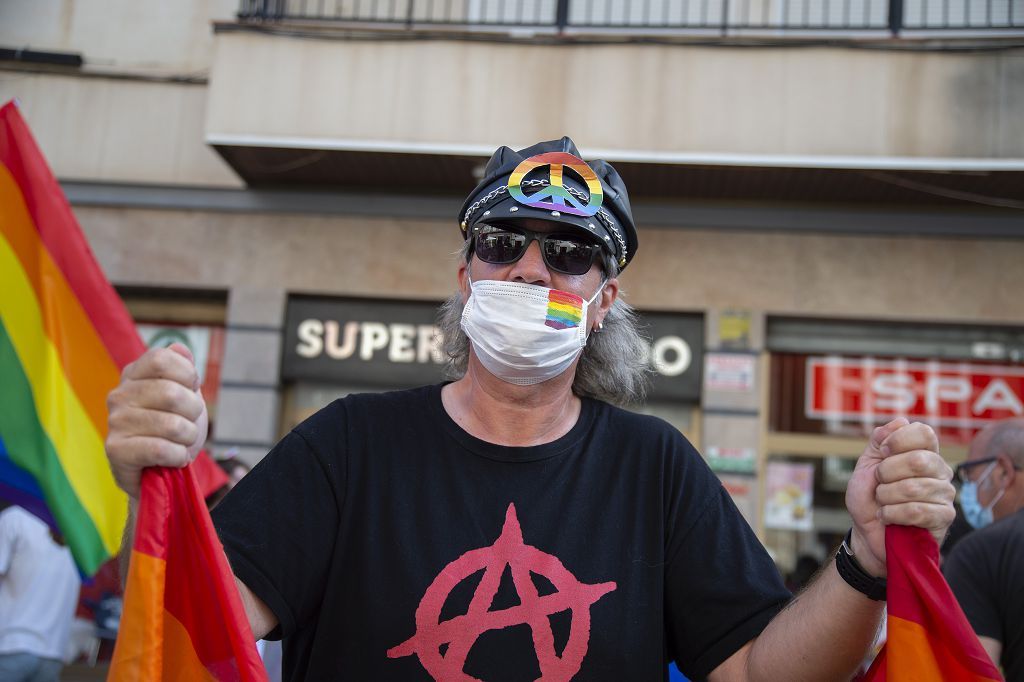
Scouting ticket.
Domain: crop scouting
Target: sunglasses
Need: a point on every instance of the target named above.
(960, 473)
(565, 252)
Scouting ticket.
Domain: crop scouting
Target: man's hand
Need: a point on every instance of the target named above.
(157, 416)
(900, 479)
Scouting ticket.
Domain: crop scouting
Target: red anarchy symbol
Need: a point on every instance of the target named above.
(461, 632)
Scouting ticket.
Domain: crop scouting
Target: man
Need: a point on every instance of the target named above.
(986, 568)
(513, 524)
(38, 593)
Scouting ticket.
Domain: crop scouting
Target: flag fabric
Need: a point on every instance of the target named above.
(183, 618)
(64, 337)
(928, 636)
(209, 477)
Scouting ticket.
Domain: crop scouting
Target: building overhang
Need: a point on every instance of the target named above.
(447, 169)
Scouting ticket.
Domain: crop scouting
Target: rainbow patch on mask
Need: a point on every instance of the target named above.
(565, 310)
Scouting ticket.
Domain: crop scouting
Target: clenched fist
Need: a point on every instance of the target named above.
(900, 479)
(157, 415)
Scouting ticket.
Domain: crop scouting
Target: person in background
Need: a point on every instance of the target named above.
(39, 587)
(234, 469)
(986, 568)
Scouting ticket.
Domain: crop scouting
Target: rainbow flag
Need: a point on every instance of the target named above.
(64, 337)
(183, 618)
(565, 310)
(928, 636)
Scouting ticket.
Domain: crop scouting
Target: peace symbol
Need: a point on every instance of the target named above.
(560, 197)
(461, 632)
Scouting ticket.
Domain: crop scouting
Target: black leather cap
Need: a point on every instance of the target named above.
(612, 224)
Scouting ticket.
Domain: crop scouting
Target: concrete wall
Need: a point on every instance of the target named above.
(902, 278)
(150, 36)
(113, 130)
(656, 98)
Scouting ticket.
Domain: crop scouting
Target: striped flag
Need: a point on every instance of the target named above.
(182, 618)
(64, 337)
(928, 636)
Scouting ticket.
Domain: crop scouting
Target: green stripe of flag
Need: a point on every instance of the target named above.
(29, 447)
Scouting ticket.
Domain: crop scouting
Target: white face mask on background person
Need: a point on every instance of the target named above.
(524, 333)
(975, 514)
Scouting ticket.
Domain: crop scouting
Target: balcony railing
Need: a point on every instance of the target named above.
(721, 17)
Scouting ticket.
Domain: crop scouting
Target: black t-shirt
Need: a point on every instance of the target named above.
(986, 572)
(393, 545)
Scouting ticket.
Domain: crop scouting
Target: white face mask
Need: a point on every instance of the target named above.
(523, 333)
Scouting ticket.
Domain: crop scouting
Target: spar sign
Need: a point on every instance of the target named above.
(947, 394)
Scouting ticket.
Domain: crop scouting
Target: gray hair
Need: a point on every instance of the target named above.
(614, 365)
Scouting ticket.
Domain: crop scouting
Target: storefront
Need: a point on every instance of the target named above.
(831, 383)
(336, 346)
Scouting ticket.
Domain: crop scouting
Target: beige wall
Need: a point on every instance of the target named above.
(953, 280)
(113, 130)
(817, 101)
(151, 36)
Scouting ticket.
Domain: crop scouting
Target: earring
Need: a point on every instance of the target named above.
(600, 327)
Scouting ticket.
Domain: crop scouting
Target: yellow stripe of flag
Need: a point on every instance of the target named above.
(77, 442)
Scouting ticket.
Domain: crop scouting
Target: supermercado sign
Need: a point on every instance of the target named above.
(948, 394)
(396, 343)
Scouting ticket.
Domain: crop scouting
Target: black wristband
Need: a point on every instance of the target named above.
(855, 575)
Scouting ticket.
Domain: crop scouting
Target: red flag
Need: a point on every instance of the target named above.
(928, 636)
(209, 477)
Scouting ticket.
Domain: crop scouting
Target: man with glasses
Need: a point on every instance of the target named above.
(986, 568)
(515, 523)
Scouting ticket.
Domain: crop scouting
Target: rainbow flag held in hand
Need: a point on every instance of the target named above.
(928, 636)
(64, 337)
(183, 618)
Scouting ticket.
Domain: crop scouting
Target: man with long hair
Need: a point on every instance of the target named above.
(515, 522)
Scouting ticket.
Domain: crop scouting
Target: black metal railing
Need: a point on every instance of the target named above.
(719, 16)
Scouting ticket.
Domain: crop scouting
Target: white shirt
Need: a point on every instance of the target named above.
(39, 587)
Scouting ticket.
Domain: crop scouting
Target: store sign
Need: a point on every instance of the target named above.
(733, 460)
(941, 393)
(393, 343)
(377, 343)
(731, 372)
(676, 354)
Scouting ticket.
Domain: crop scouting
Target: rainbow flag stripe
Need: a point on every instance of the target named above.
(64, 337)
(565, 310)
(183, 618)
(928, 636)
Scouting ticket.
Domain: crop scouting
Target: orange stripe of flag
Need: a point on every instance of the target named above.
(914, 654)
(928, 636)
(83, 355)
